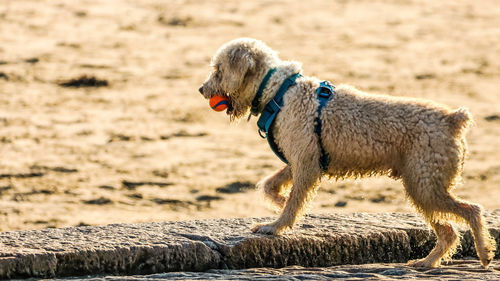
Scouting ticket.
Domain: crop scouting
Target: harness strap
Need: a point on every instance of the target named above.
(273, 107)
(269, 113)
(325, 93)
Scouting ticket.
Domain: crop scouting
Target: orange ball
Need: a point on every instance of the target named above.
(219, 103)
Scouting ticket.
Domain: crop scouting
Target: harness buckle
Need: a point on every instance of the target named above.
(325, 90)
(326, 95)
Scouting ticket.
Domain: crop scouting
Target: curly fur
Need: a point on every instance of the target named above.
(418, 141)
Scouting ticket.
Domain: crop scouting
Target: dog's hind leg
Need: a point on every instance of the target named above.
(472, 215)
(305, 181)
(276, 184)
(447, 240)
(426, 195)
(431, 197)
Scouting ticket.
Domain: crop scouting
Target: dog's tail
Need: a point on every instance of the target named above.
(460, 120)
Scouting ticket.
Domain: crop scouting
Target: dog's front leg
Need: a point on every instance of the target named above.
(305, 181)
(276, 184)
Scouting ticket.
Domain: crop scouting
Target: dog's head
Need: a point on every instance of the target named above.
(238, 67)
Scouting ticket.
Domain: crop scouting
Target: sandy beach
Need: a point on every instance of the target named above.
(101, 120)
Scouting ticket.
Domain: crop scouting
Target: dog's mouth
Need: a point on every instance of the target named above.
(230, 107)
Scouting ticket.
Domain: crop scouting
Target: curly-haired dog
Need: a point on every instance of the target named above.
(418, 141)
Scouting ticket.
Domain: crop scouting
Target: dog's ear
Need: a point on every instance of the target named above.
(241, 61)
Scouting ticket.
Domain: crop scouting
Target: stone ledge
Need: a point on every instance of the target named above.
(147, 248)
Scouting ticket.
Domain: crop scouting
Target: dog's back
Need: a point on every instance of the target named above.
(366, 134)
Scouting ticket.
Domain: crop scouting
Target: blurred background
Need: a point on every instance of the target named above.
(101, 121)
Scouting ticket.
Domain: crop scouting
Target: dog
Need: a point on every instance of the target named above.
(420, 142)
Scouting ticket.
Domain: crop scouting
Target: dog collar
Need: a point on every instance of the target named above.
(256, 99)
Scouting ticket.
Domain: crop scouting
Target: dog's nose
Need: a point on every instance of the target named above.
(201, 89)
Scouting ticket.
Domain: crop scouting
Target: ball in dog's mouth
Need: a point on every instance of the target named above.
(221, 102)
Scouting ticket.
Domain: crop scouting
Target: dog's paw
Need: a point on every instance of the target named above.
(423, 263)
(269, 229)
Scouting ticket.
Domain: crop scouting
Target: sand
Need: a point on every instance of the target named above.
(101, 121)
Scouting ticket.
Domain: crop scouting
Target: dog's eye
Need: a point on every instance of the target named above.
(217, 72)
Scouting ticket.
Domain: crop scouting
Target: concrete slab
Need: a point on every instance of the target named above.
(148, 248)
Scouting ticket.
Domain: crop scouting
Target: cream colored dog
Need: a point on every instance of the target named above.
(418, 141)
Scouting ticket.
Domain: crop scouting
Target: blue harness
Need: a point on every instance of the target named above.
(324, 93)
